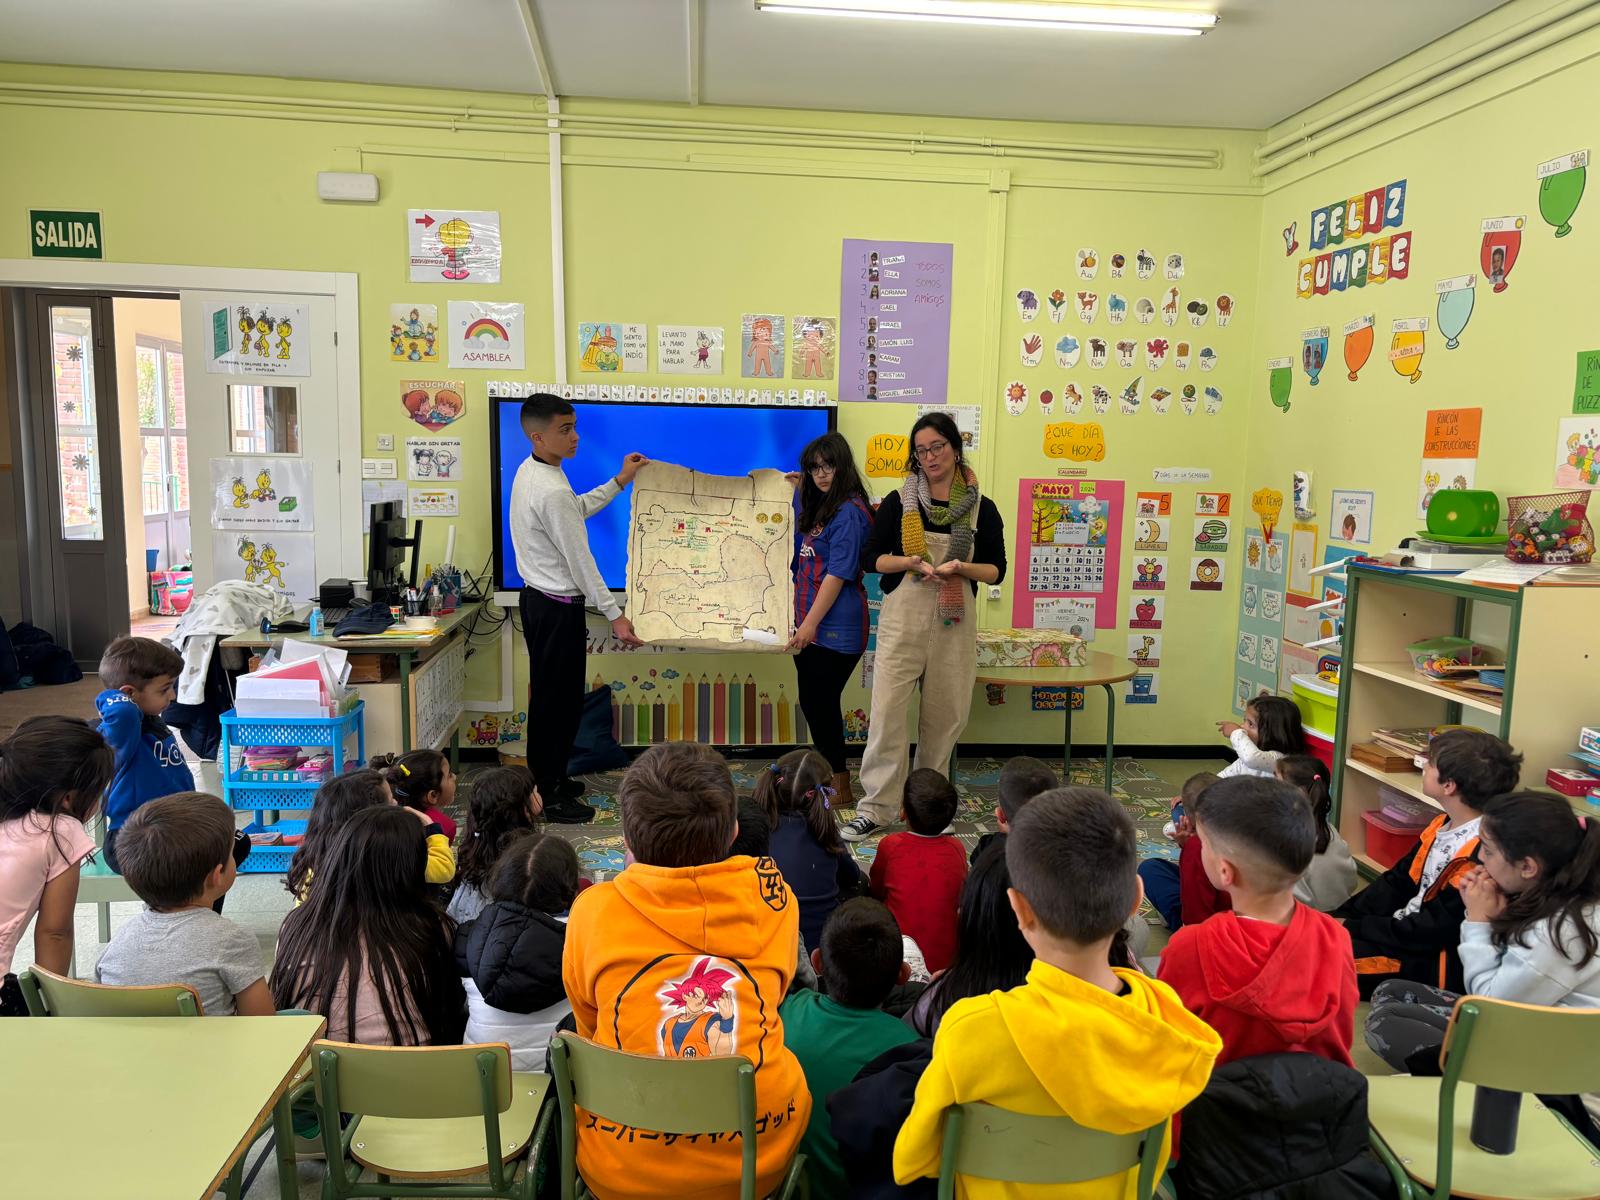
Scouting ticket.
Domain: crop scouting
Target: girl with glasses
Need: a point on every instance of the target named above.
(934, 541)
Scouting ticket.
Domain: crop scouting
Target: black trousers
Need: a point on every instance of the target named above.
(821, 674)
(555, 636)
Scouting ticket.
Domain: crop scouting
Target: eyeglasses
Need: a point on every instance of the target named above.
(821, 469)
(931, 451)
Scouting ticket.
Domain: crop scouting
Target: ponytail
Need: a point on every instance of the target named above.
(1566, 846)
(413, 775)
(1310, 775)
(794, 784)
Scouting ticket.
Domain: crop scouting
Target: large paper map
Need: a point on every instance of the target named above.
(708, 559)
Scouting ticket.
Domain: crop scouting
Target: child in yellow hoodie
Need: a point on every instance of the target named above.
(687, 954)
(1106, 1046)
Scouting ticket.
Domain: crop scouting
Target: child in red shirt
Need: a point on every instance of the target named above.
(1180, 891)
(1272, 975)
(919, 874)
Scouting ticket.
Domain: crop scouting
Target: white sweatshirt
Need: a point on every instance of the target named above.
(1252, 759)
(1537, 973)
(548, 536)
(1331, 879)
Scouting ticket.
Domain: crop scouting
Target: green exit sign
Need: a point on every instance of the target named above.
(61, 233)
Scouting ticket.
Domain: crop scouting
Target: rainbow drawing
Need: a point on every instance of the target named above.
(484, 327)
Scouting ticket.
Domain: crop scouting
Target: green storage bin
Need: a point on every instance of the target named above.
(1318, 703)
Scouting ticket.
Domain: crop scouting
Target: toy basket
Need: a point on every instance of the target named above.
(1552, 528)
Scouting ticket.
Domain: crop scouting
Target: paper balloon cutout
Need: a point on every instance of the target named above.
(1280, 380)
(1455, 307)
(1314, 353)
(1357, 344)
(1561, 183)
(1502, 239)
(1407, 346)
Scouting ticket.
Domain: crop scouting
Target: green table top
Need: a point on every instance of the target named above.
(138, 1106)
(379, 644)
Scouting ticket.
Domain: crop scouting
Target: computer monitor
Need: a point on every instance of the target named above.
(386, 550)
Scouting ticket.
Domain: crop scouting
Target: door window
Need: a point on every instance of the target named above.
(72, 377)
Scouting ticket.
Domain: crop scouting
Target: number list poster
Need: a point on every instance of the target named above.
(894, 321)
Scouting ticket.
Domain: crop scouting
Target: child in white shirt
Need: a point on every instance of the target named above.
(1271, 729)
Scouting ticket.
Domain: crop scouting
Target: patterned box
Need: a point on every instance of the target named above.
(1030, 648)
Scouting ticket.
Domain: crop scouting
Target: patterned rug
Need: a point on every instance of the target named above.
(1146, 795)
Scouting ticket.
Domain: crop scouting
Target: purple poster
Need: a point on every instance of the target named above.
(894, 321)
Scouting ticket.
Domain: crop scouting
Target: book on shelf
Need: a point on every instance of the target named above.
(1383, 758)
(1410, 741)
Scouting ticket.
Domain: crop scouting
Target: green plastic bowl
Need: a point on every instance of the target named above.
(1464, 513)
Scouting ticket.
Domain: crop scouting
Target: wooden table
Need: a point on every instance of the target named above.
(406, 647)
(139, 1106)
(1102, 670)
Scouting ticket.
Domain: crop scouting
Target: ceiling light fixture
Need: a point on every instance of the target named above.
(1014, 14)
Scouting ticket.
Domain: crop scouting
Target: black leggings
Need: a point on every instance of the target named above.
(821, 675)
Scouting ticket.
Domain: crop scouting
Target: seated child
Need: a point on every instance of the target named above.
(368, 949)
(1021, 779)
(755, 840)
(504, 807)
(52, 771)
(919, 874)
(836, 1034)
(141, 678)
(1180, 891)
(335, 803)
(1406, 924)
(1331, 878)
(1109, 1047)
(796, 792)
(423, 781)
(1271, 729)
(177, 854)
(684, 954)
(1273, 975)
(510, 954)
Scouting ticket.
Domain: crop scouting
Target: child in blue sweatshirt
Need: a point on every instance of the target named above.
(141, 678)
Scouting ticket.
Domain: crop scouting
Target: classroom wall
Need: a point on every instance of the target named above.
(668, 232)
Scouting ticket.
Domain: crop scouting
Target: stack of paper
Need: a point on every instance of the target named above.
(305, 680)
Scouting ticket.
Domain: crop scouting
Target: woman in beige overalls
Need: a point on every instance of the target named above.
(933, 542)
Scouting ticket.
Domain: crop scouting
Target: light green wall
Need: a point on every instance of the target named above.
(1466, 157)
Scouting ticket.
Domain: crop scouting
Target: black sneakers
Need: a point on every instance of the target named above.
(567, 810)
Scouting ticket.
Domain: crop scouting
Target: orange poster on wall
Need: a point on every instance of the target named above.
(1452, 433)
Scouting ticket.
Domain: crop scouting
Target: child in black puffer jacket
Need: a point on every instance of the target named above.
(510, 955)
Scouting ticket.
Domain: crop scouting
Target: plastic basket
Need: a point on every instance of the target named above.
(1427, 656)
(271, 860)
(1552, 528)
(291, 731)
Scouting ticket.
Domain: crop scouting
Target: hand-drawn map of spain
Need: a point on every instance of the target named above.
(708, 559)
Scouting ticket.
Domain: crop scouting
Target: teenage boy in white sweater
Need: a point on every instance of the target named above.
(559, 576)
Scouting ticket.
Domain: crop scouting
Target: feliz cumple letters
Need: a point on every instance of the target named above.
(1375, 261)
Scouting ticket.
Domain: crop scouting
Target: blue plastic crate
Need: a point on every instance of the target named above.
(250, 797)
(292, 731)
(271, 860)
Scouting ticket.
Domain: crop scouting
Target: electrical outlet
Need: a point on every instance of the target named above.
(386, 441)
(994, 591)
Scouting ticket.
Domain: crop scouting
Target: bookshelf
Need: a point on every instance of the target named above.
(1548, 637)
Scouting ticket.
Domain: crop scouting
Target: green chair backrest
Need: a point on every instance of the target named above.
(417, 1082)
(1524, 1048)
(666, 1095)
(985, 1142)
(49, 994)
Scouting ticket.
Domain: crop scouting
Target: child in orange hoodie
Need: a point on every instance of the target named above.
(687, 954)
(1273, 975)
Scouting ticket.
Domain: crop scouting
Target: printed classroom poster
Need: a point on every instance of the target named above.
(1069, 543)
(433, 403)
(1450, 440)
(433, 502)
(261, 493)
(414, 333)
(894, 302)
(689, 350)
(1261, 612)
(1350, 517)
(761, 346)
(486, 335)
(450, 245)
(433, 460)
(816, 347)
(259, 336)
(1578, 452)
(611, 346)
(285, 562)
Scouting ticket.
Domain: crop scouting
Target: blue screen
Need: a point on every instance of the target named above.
(733, 440)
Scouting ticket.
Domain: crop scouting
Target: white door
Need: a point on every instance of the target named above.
(263, 427)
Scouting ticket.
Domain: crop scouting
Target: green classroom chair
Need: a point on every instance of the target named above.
(985, 1142)
(1493, 1044)
(51, 995)
(684, 1096)
(427, 1114)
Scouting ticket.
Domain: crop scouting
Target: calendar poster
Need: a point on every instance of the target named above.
(1069, 543)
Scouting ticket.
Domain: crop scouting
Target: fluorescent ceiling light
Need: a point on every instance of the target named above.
(1014, 14)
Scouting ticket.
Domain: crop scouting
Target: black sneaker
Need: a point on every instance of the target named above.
(570, 789)
(566, 811)
(858, 829)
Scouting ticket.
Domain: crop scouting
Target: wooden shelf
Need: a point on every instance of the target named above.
(1371, 864)
(1409, 782)
(1403, 674)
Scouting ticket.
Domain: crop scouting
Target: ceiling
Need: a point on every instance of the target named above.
(1266, 60)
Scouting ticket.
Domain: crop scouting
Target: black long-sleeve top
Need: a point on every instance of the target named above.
(988, 540)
